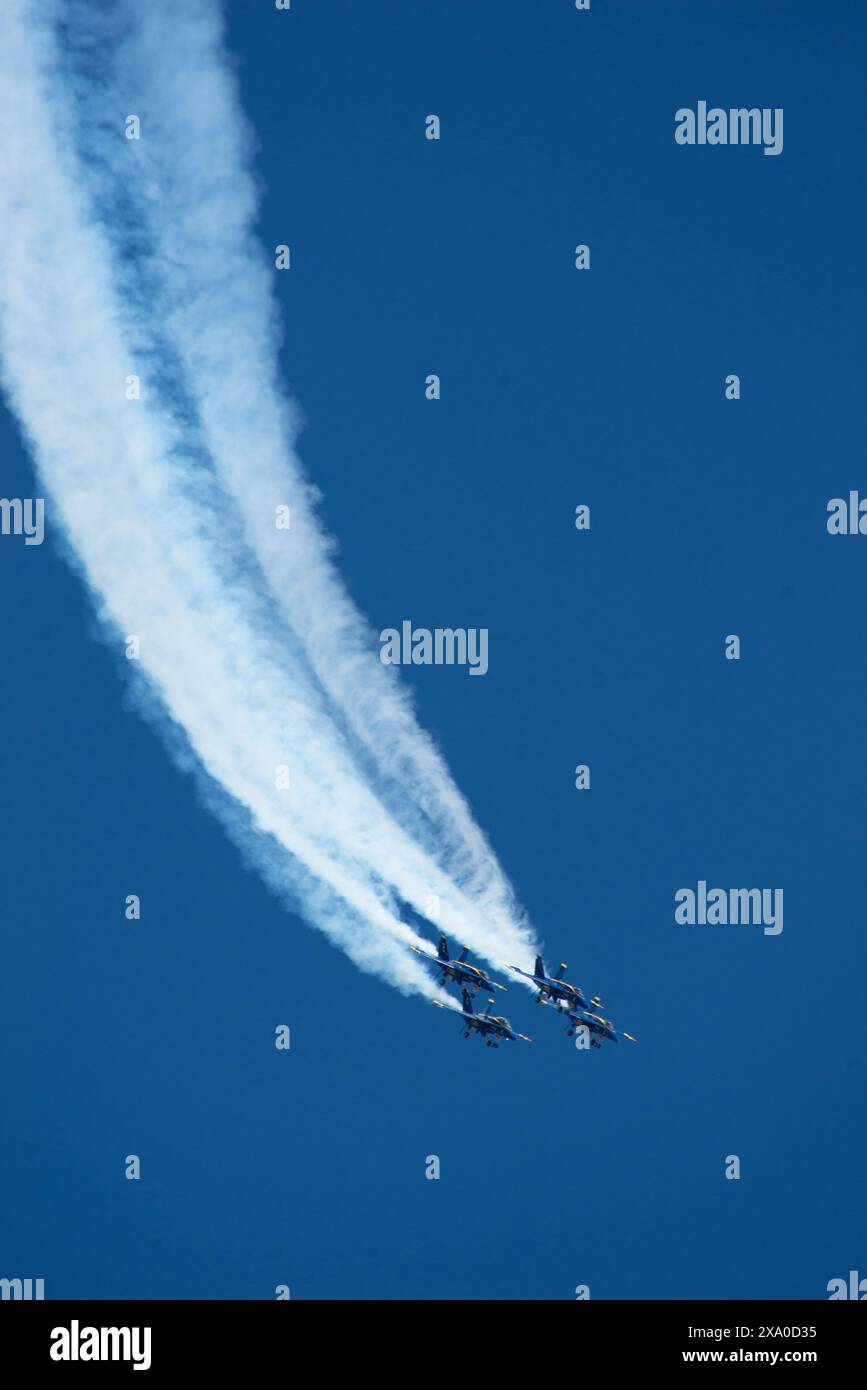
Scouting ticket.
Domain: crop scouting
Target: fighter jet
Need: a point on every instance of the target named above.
(491, 1028)
(555, 988)
(599, 1028)
(471, 977)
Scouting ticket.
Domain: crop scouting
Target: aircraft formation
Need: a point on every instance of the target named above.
(567, 999)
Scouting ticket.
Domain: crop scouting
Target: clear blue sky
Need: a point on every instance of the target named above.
(708, 517)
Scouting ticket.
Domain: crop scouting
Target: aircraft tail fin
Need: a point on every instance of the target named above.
(443, 949)
(463, 955)
(539, 968)
(467, 1001)
(560, 968)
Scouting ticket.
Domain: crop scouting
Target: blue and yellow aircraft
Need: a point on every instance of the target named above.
(599, 1028)
(471, 977)
(491, 1027)
(555, 988)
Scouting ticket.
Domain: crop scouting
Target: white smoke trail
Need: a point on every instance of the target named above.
(196, 214)
(254, 677)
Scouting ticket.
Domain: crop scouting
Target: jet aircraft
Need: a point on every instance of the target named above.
(555, 988)
(492, 1028)
(599, 1028)
(471, 977)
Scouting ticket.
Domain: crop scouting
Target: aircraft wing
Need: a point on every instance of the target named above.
(419, 952)
(453, 1009)
(525, 973)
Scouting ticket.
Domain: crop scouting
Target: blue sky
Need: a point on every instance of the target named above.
(558, 1168)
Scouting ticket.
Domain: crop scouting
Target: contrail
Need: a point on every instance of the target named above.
(130, 258)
